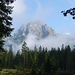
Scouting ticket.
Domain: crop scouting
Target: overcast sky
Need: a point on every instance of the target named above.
(47, 11)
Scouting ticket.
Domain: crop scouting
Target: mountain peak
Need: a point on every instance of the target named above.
(36, 28)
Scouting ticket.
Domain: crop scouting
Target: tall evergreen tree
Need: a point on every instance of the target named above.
(10, 57)
(73, 60)
(5, 20)
(17, 60)
(68, 57)
(35, 57)
(25, 54)
(4, 59)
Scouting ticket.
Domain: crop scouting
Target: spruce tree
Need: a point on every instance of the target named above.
(5, 20)
(10, 57)
(25, 54)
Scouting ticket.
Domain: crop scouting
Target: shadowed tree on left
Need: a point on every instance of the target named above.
(5, 23)
(5, 20)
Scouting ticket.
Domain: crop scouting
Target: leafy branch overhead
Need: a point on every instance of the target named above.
(70, 11)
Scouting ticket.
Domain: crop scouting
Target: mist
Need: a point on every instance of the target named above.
(50, 41)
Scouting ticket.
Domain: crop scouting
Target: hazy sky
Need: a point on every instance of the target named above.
(47, 11)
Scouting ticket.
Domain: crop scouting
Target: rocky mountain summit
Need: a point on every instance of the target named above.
(36, 28)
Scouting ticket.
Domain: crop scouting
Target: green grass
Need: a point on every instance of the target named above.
(7, 71)
(13, 71)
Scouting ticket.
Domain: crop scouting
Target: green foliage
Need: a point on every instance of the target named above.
(5, 20)
(10, 57)
(40, 61)
(69, 11)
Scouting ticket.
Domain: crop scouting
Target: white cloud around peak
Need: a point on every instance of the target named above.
(19, 7)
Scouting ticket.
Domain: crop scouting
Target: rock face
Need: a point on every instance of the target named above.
(37, 33)
(36, 28)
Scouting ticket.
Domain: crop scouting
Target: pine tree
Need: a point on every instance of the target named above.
(17, 60)
(4, 59)
(35, 57)
(25, 54)
(5, 20)
(73, 60)
(10, 57)
(68, 57)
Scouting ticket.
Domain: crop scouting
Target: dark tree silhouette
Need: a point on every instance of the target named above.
(70, 11)
(5, 20)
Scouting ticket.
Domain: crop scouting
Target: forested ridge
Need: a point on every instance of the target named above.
(40, 59)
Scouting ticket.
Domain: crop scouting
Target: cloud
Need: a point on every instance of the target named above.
(26, 11)
(67, 33)
(50, 41)
(31, 41)
(19, 7)
(42, 11)
(18, 14)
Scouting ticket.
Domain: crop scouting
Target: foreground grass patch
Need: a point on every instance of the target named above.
(8, 71)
